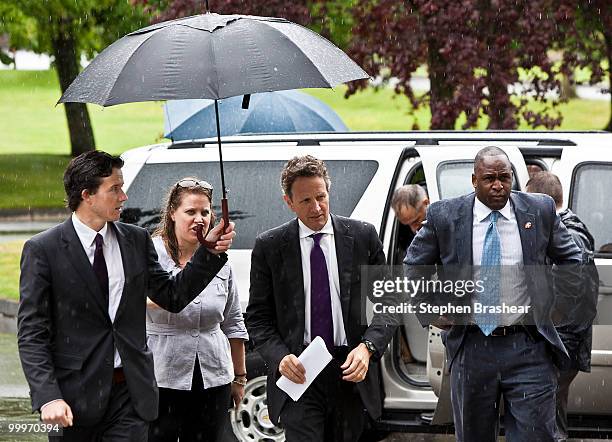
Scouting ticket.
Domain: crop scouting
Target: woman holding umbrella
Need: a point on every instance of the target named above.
(199, 353)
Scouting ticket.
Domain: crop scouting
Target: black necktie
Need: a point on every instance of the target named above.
(99, 266)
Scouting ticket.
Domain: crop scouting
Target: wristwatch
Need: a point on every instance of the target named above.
(368, 344)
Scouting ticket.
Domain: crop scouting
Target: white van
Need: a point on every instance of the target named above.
(365, 169)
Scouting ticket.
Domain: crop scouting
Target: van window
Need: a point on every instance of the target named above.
(254, 193)
(455, 178)
(590, 200)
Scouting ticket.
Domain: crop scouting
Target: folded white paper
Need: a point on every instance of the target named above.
(314, 359)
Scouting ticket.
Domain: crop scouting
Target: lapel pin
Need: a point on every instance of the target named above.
(528, 225)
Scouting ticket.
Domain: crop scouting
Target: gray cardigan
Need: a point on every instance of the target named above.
(201, 329)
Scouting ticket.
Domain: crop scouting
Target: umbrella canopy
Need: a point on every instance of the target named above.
(211, 56)
(282, 111)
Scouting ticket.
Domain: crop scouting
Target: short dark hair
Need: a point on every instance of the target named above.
(547, 183)
(306, 166)
(85, 172)
(489, 151)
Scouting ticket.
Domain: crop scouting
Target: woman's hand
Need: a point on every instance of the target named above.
(237, 393)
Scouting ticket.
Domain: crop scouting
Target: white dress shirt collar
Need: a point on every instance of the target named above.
(481, 211)
(86, 234)
(306, 231)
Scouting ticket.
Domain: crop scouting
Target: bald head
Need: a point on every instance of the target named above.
(488, 152)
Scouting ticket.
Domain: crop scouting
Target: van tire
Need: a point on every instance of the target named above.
(253, 422)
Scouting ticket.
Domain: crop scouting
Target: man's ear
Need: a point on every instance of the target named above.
(288, 202)
(473, 181)
(426, 202)
(85, 195)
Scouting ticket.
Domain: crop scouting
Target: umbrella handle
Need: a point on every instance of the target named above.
(225, 215)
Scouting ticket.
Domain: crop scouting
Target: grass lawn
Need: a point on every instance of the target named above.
(32, 123)
(10, 253)
(32, 180)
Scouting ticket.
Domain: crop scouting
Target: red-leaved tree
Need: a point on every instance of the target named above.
(474, 50)
(294, 10)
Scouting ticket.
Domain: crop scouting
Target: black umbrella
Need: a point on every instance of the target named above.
(211, 56)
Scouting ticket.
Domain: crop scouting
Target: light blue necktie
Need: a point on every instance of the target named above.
(490, 273)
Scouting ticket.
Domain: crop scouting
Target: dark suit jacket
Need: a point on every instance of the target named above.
(275, 314)
(66, 338)
(446, 239)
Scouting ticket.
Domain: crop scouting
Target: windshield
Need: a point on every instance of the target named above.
(254, 193)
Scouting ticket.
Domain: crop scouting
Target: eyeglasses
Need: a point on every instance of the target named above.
(189, 183)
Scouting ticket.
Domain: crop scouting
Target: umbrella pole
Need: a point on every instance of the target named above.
(224, 206)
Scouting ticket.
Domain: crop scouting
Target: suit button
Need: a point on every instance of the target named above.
(107, 361)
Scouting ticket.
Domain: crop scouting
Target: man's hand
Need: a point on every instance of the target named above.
(356, 365)
(223, 239)
(291, 367)
(151, 304)
(56, 412)
(443, 322)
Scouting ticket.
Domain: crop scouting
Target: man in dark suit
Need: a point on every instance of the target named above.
(305, 282)
(81, 320)
(576, 337)
(501, 354)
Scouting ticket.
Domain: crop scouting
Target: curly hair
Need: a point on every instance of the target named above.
(173, 200)
(306, 166)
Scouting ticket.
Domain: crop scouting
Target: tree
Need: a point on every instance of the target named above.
(474, 50)
(330, 18)
(585, 37)
(69, 30)
(162, 10)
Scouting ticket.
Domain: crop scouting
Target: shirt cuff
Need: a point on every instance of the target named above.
(50, 402)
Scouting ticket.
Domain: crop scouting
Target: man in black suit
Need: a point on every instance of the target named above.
(305, 282)
(509, 355)
(577, 337)
(81, 320)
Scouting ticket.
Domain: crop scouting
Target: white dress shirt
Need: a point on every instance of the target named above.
(513, 286)
(328, 246)
(114, 264)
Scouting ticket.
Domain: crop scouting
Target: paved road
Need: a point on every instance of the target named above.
(24, 227)
(14, 237)
(397, 437)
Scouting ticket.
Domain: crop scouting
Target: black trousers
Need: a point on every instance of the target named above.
(564, 380)
(191, 415)
(517, 368)
(330, 410)
(119, 424)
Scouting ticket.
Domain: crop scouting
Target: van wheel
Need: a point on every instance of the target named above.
(251, 421)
